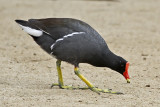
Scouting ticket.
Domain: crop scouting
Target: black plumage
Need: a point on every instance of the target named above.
(75, 42)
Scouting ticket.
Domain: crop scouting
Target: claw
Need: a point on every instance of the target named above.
(54, 84)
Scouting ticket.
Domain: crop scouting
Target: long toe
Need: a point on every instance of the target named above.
(97, 90)
(68, 87)
(73, 88)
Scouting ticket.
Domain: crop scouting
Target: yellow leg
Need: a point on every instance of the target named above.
(92, 87)
(60, 79)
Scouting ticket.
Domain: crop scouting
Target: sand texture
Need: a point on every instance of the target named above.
(131, 29)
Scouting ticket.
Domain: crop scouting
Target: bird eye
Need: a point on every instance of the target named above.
(120, 61)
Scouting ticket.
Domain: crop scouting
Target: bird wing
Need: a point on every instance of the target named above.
(57, 27)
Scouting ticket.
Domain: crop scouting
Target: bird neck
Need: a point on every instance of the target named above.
(115, 62)
(104, 59)
(110, 60)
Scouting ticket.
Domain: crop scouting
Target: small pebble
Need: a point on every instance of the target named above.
(144, 54)
(144, 58)
(147, 85)
(34, 54)
(80, 101)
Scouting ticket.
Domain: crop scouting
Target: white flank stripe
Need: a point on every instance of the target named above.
(31, 31)
(66, 36)
(51, 53)
(59, 39)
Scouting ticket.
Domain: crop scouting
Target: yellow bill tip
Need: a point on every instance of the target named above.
(128, 80)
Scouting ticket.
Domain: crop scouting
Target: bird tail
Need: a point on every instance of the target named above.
(29, 28)
(22, 22)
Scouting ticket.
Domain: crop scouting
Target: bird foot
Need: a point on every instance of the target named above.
(94, 89)
(68, 87)
(97, 90)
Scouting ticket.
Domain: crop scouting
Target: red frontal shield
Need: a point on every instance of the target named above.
(125, 74)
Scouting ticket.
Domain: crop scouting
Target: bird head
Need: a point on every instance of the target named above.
(123, 69)
(121, 66)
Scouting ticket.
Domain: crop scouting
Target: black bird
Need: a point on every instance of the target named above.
(75, 42)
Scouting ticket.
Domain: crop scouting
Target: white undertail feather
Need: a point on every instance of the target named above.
(66, 36)
(31, 31)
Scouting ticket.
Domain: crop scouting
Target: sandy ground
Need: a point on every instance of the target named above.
(131, 29)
